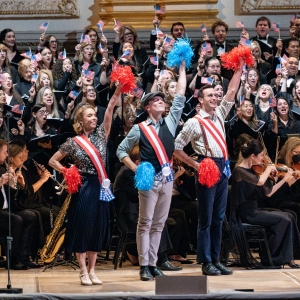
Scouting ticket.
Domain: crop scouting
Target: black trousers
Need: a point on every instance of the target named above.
(23, 226)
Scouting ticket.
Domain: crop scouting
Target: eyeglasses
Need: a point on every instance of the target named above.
(43, 112)
(127, 34)
(54, 42)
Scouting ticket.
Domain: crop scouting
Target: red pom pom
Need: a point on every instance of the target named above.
(208, 172)
(125, 77)
(231, 60)
(73, 179)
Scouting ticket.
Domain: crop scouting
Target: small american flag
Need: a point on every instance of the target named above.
(278, 69)
(100, 25)
(239, 24)
(245, 69)
(117, 23)
(73, 95)
(206, 46)
(203, 28)
(272, 102)
(85, 38)
(206, 80)
(18, 109)
(245, 42)
(62, 55)
(154, 60)
(283, 59)
(242, 99)
(126, 54)
(2, 78)
(27, 54)
(44, 26)
(196, 93)
(37, 57)
(100, 48)
(168, 40)
(160, 9)
(159, 33)
(34, 63)
(34, 78)
(137, 92)
(276, 27)
(164, 74)
(85, 66)
(89, 74)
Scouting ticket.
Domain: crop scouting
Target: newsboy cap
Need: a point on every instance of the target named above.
(145, 100)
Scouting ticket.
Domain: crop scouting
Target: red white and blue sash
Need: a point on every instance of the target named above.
(95, 157)
(218, 137)
(160, 151)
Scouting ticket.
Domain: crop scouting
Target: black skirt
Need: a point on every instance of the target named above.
(88, 219)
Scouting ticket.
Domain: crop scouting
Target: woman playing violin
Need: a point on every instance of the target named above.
(288, 196)
(248, 189)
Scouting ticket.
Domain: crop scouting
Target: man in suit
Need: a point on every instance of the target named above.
(266, 42)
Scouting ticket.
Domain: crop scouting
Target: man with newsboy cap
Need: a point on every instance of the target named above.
(154, 204)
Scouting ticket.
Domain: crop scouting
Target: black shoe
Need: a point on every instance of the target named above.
(167, 266)
(210, 270)
(28, 263)
(145, 274)
(156, 272)
(223, 269)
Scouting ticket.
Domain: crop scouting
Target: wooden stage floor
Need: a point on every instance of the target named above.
(125, 281)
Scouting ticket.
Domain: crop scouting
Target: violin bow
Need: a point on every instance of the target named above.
(260, 138)
(277, 149)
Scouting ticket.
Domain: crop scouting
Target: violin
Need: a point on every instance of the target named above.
(281, 170)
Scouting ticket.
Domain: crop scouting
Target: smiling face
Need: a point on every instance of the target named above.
(89, 119)
(293, 49)
(262, 28)
(220, 34)
(292, 66)
(178, 31)
(282, 107)
(247, 110)
(48, 97)
(90, 93)
(252, 78)
(10, 39)
(53, 43)
(209, 101)
(46, 56)
(219, 89)
(156, 105)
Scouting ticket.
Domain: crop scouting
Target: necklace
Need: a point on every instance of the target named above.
(263, 105)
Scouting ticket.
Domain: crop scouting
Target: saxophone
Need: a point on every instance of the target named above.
(56, 237)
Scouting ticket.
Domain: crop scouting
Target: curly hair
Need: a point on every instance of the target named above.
(58, 72)
(218, 23)
(81, 108)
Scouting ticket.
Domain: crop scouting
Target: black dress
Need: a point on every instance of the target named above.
(284, 239)
(88, 217)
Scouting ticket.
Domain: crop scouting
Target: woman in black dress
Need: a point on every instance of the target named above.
(249, 188)
(88, 222)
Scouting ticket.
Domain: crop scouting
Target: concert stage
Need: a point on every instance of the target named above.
(62, 282)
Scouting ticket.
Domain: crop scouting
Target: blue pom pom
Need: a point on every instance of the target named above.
(182, 51)
(144, 176)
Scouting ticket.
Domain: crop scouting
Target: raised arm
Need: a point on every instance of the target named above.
(234, 82)
(115, 100)
(181, 84)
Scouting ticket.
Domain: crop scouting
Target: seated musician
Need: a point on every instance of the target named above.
(288, 197)
(249, 188)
